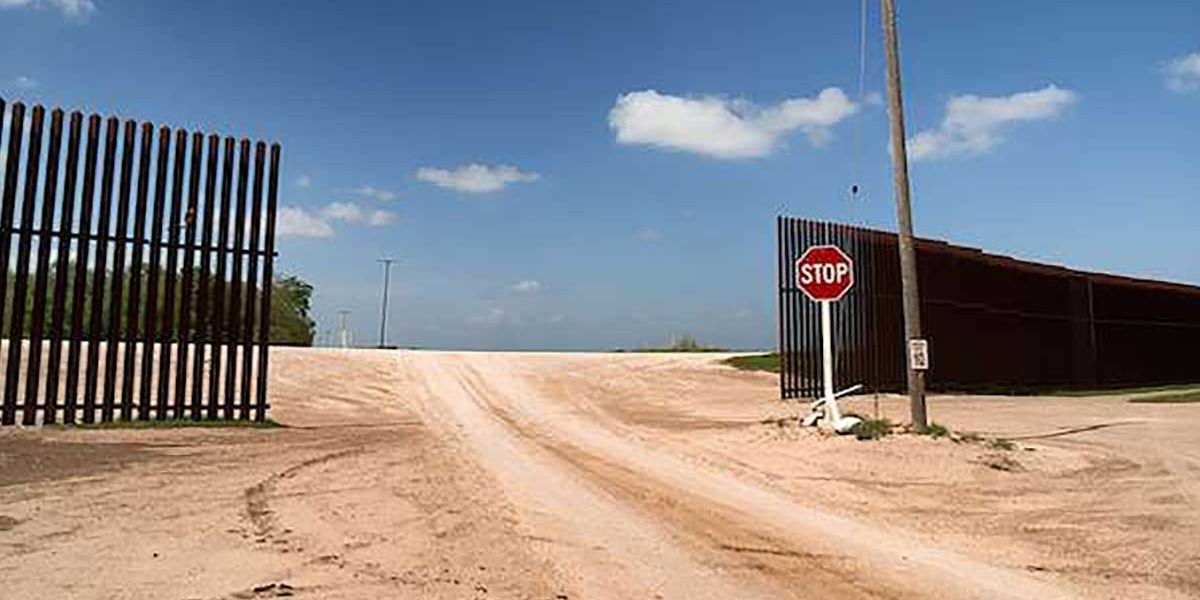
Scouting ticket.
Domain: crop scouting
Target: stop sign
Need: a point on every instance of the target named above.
(824, 273)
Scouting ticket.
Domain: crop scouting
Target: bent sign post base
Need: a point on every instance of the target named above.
(841, 424)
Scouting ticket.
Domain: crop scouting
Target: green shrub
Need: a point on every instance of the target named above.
(936, 430)
(871, 429)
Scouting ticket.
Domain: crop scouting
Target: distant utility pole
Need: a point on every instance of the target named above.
(908, 255)
(343, 330)
(387, 275)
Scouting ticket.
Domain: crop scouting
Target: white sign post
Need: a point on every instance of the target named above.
(827, 360)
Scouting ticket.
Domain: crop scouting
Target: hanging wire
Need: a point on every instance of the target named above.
(856, 159)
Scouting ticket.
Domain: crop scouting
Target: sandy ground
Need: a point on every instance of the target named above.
(558, 476)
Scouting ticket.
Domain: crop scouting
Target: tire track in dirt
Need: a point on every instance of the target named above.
(681, 500)
(603, 548)
(258, 496)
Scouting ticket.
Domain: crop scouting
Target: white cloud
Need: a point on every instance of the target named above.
(649, 235)
(75, 9)
(528, 286)
(381, 218)
(722, 128)
(24, 82)
(1183, 73)
(343, 211)
(299, 223)
(476, 178)
(350, 212)
(304, 181)
(493, 316)
(374, 193)
(973, 124)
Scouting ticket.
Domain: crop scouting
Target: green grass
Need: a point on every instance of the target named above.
(1185, 398)
(181, 423)
(1003, 388)
(755, 362)
(1189, 393)
(871, 429)
(936, 430)
(1182, 387)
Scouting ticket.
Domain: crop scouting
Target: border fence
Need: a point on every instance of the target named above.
(993, 323)
(134, 316)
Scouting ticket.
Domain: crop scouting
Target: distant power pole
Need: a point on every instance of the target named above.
(343, 330)
(908, 254)
(387, 276)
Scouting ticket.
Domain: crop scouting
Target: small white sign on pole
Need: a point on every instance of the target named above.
(918, 355)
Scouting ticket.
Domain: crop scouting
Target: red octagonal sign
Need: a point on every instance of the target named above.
(824, 273)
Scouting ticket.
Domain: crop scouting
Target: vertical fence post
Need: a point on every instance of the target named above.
(873, 282)
(812, 337)
(117, 292)
(781, 310)
(62, 265)
(16, 331)
(96, 324)
(41, 276)
(79, 283)
(268, 284)
(251, 283)
(167, 332)
(137, 245)
(217, 322)
(803, 364)
(150, 331)
(795, 232)
(1093, 342)
(234, 322)
(189, 223)
(794, 362)
(799, 363)
(204, 325)
(12, 167)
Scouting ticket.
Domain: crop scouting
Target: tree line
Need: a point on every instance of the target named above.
(290, 321)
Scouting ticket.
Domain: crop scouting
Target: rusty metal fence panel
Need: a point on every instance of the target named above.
(858, 317)
(994, 323)
(135, 317)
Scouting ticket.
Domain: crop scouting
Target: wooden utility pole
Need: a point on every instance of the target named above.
(908, 254)
(387, 276)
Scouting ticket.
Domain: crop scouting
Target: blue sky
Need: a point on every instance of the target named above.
(591, 175)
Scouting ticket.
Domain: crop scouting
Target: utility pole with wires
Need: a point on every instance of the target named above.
(908, 254)
(387, 275)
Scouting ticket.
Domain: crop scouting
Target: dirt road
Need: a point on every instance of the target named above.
(478, 475)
